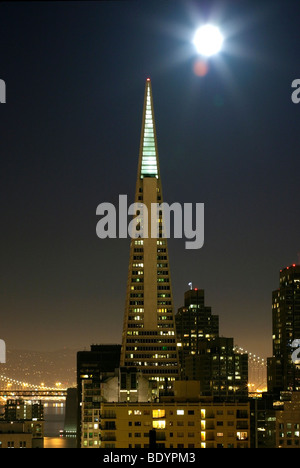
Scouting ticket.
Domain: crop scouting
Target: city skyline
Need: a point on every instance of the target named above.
(70, 133)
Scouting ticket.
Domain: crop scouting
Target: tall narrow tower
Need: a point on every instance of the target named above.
(149, 337)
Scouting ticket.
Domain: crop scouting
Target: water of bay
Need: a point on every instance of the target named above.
(53, 427)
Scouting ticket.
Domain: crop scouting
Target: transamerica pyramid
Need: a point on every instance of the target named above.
(149, 336)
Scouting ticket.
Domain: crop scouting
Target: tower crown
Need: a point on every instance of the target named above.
(148, 148)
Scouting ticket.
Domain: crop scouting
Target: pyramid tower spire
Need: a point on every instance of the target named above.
(149, 336)
(148, 160)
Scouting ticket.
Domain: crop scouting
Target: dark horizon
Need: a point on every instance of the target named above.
(70, 135)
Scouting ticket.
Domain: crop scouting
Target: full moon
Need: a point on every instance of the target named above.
(208, 40)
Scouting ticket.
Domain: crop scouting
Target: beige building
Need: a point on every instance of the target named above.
(26, 434)
(288, 423)
(176, 425)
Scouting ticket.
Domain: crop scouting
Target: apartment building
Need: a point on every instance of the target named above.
(183, 425)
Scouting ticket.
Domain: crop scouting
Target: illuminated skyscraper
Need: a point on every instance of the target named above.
(283, 373)
(149, 337)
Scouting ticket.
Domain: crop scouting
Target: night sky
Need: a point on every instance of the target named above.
(69, 136)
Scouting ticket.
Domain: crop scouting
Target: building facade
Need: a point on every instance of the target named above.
(19, 435)
(180, 425)
(178, 419)
(22, 425)
(94, 366)
(222, 372)
(18, 410)
(204, 355)
(288, 423)
(127, 385)
(195, 325)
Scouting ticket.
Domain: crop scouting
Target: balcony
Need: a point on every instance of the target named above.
(108, 415)
(242, 425)
(109, 426)
(160, 436)
(108, 437)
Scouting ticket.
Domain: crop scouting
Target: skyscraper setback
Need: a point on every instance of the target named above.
(149, 335)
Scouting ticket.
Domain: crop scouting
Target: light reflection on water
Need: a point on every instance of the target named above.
(53, 425)
(59, 442)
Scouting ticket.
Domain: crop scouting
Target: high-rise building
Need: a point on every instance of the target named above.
(221, 371)
(283, 372)
(149, 336)
(195, 324)
(94, 367)
(204, 355)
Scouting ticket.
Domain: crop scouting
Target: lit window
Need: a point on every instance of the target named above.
(180, 412)
(160, 424)
(159, 413)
